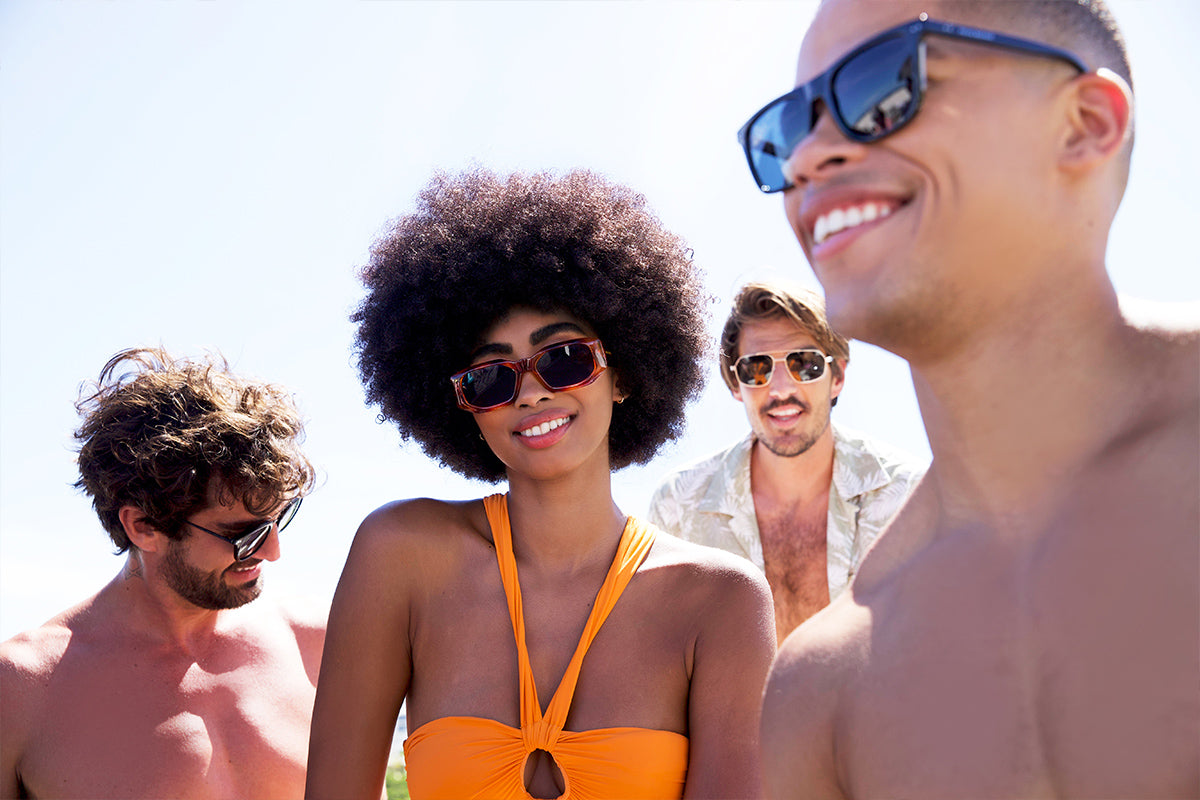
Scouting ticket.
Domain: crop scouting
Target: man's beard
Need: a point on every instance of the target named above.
(792, 446)
(204, 589)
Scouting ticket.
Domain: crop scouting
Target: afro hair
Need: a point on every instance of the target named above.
(479, 245)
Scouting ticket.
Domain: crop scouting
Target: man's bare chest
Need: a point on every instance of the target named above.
(795, 560)
(134, 730)
(1040, 660)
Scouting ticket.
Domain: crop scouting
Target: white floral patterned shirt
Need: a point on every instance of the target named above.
(709, 501)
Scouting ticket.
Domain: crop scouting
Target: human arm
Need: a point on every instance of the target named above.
(366, 665)
(23, 674)
(732, 654)
(797, 721)
(12, 725)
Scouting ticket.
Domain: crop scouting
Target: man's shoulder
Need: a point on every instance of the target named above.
(828, 643)
(1166, 351)
(802, 695)
(34, 651)
(695, 475)
(27, 662)
(41, 648)
(710, 462)
(304, 616)
(1175, 322)
(305, 620)
(817, 658)
(895, 463)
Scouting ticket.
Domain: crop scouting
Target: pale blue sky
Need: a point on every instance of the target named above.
(209, 174)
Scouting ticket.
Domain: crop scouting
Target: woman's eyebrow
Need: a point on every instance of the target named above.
(491, 349)
(542, 334)
(537, 337)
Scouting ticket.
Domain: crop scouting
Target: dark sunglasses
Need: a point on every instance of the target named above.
(559, 367)
(248, 543)
(805, 366)
(871, 92)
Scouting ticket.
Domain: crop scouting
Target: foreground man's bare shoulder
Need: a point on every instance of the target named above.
(800, 703)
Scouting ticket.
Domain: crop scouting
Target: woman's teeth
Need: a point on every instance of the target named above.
(544, 428)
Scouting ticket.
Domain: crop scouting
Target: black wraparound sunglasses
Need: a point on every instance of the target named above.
(247, 544)
(871, 92)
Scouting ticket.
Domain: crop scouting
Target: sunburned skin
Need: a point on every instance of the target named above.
(139, 693)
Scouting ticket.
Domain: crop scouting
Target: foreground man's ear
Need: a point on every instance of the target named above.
(1099, 120)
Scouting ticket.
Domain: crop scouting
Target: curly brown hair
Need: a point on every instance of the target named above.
(157, 431)
(478, 246)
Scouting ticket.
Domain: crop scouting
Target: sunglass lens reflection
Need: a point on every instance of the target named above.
(755, 370)
(875, 90)
(806, 367)
(774, 135)
(494, 384)
(566, 366)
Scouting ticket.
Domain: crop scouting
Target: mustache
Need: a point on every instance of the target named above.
(786, 402)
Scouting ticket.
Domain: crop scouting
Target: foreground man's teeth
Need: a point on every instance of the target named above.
(545, 427)
(842, 218)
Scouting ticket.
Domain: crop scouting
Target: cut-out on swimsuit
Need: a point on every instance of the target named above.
(464, 757)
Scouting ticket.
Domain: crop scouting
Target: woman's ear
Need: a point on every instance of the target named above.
(619, 394)
(1099, 120)
(144, 536)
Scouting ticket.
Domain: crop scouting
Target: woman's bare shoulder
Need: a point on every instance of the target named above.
(418, 542)
(418, 515)
(423, 522)
(713, 583)
(699, 560)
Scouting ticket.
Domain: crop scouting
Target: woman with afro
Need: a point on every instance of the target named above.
(541, 331)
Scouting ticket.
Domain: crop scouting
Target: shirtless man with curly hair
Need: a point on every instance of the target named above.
(170, 682)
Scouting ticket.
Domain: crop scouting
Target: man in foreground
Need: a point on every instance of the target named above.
(170, 682)
(1028, 626)
(800, 497)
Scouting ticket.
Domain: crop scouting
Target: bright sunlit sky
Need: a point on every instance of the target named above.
(210, 174)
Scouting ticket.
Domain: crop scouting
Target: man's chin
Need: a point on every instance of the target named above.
(787, 447)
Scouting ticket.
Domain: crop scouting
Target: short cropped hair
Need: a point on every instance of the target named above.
(1085, 27)
(157, 431)
(478, 246)
(760, 301)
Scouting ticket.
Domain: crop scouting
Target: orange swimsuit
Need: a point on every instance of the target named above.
(463, 757)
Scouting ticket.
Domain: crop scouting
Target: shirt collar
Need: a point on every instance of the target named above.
(729, 491)
(857, 468)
